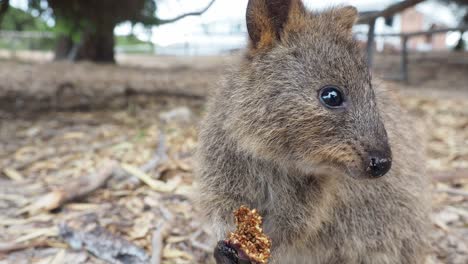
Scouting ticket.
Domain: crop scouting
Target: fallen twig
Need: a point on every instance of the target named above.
(141, 172)
(452, 191)
(156, 185)
(44, 232)
(445, 176)
(13, 174)
(158, 235)
(28, 240)
(157, 244)
(72, 191)
(103, 245)
(59, 257)
(158, 157)
(8, 247)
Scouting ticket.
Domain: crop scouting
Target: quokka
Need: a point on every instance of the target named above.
(299, 131)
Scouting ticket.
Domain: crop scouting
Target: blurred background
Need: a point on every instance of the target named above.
(100, 103)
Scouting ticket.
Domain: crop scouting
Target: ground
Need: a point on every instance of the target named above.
(99, 156)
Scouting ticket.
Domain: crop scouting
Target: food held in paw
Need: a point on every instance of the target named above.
(249, 236)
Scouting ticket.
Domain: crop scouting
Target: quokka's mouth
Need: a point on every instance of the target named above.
(360, 174)
(353, 173)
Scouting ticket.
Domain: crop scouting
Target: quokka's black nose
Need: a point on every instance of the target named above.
(379, 165)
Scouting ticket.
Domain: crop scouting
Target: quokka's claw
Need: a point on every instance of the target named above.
(226, 253)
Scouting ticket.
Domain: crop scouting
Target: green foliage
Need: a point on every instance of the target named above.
(28, 44)
(92, 23)
(105, 12)
(71, 28)
(74, 17)
(131, 44)
(129, 41)
(19, 20)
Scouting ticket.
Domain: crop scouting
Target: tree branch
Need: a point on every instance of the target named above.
(172, 20)
(389, 11)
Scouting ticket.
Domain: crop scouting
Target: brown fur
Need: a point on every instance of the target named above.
(268, 143)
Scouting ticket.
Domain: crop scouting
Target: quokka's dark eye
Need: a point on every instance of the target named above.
(331, 96)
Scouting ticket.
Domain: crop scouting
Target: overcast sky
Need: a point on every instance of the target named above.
(221, 10)
(235, 10)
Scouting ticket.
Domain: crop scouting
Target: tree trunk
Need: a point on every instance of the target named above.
(97, 45)
(63, 47)
(461, 43)
(4, 5)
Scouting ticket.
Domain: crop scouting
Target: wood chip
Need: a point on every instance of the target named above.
(13, 174)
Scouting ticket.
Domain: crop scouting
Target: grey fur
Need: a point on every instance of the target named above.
(268, 143)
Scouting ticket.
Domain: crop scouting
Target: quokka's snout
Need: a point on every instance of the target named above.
(377, 158)
(378, 162)
(364, 164)
(368, 157)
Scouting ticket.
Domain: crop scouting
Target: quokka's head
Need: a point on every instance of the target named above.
(303, 96)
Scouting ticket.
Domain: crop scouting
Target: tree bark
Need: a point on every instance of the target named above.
(461, 43)
(96, 21)
(97, 45)
(4, 5)
(63, 47)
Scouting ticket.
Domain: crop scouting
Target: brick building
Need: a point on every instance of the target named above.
(413, 20)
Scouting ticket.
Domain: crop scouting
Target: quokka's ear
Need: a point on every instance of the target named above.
(267, 20)
(345, 18)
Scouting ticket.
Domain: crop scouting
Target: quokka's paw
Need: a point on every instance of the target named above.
(248, 244)
(225, 253)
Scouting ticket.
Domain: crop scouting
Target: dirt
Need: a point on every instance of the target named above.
(60, 122)
(35, 84)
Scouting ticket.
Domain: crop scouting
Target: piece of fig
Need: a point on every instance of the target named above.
(248, 244)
